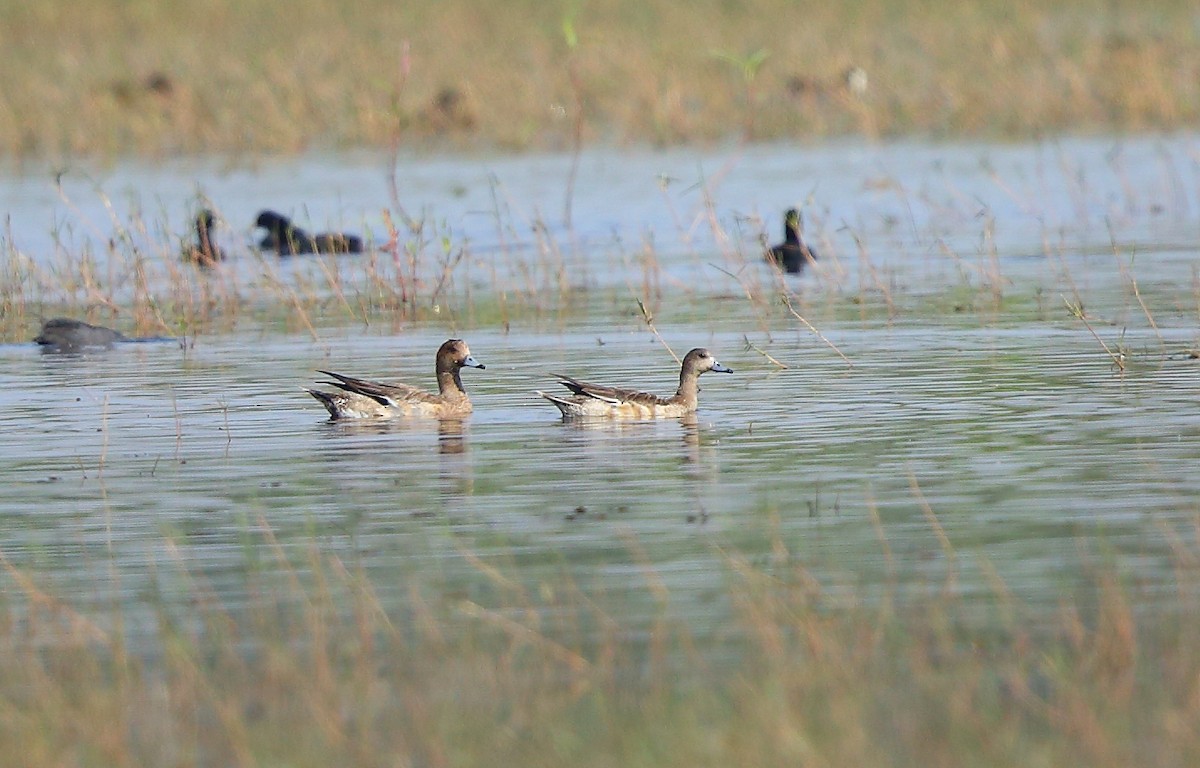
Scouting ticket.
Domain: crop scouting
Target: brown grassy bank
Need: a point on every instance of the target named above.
(109, 77)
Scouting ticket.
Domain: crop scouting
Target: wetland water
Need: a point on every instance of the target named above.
(976, 407)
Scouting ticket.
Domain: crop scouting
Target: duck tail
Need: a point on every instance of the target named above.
(327, 400)
(563, 404)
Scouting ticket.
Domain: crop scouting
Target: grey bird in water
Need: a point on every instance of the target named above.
(62, 334)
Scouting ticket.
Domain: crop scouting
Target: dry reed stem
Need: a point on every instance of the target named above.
(1076, 311)
(649, 320)
(787, 301)
(1127, 272)
(751, 345)
(756, 297)
(517, 631)
(864, 261)
(79, 624)
(943, 540)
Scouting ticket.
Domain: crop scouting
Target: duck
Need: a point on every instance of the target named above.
(593, 400)
(64, 334)
(361, 399)
(286, 239)
(204, 251)
(792, 254)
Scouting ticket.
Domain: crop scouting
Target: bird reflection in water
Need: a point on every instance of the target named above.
(690, 433)
(412, 442)
(450, 436)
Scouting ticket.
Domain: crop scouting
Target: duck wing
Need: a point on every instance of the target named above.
(384, 394)
(611, 395)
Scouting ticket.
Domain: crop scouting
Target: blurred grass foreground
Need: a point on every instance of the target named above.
(114, 78)
(316, 671)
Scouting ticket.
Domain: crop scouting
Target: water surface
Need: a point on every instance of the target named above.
(972, 404)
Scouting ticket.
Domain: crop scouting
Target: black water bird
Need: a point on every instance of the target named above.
(286, 239)
(204, 251)
(792, 254)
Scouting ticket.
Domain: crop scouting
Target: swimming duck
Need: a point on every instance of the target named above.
(204, 251)
(591, 400)
(62, 334)
(792, 254)
(286, 239)
(361, 399)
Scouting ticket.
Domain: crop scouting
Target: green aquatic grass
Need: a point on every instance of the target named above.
(112, 78)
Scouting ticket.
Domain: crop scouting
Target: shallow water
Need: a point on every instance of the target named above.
(133, 474)
(908, 202)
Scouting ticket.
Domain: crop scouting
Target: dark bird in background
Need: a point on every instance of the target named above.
(792, 254)
(62, 334)
(286, 239)
(204, 251)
